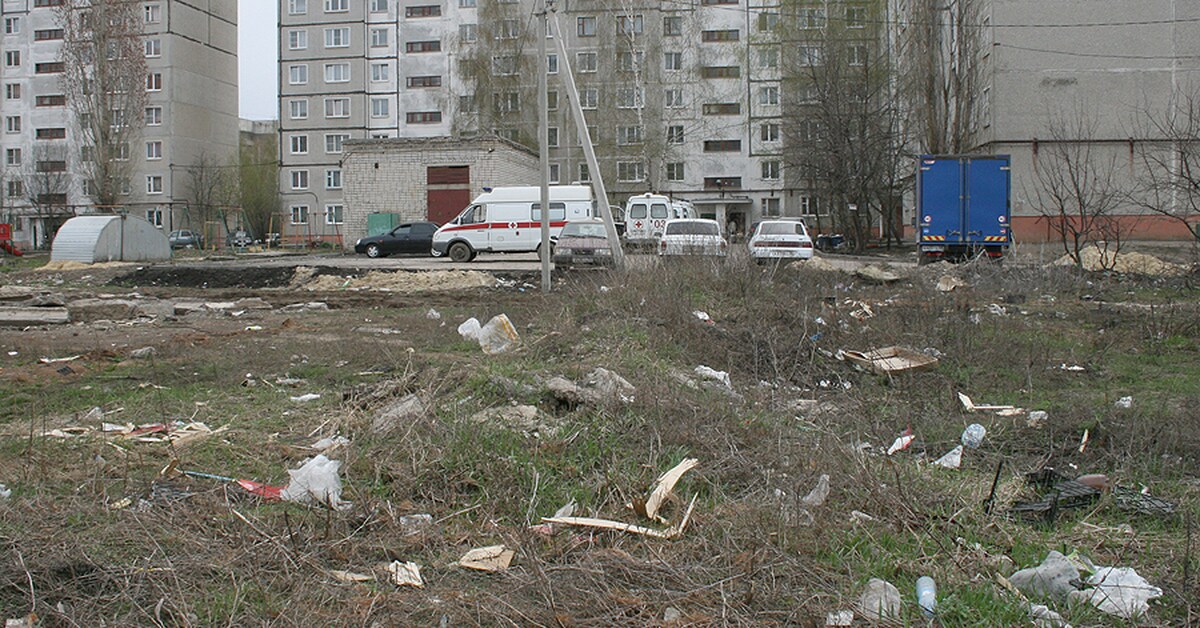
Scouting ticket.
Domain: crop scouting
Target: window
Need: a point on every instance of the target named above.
(15, 189)
(810, 129)
(552, 64)
(338, 37)
(154, 217)
(809, 205)
(467, 4)
(333, 179)
(122, 152)
(629, 98)
(711, 2)
(154, 150)
(333, 214)
(49, 34)
(154, 116)
(298, 109)
(504, 65)
(12, 91)
(336, 6)
(12, 58)
(673, 26)
(334, 142)
(856, 16)
(423, 46)
(811, 17)
(716, 36)
(768, 22)
(584, 175)
(298, 74)
(56, 67)
(506, 102)
(673, 61)
(12, 124)
(722, 146)
(554, 173)
(589, 98)
(432, 10)
(630, 61)
(52, 100)
(585, 26)
(629, 171)
(768, 57)
(424, 81)
(722, 183)
(337, 107)
(379, 6)
(468, 104)
(297, 39)
(552, 101)
(423, 117)
(768, 95)
(857, 55)
(153, 48)
(52, 133)
(300, 180)
(673, 98)
(770, 170)
(152, 14)
(675, 171)
(154, 184)
(629, 135)
(297, 7)
(12, 157)
(468, 32)
(722, 109)
(769, 132)
(337, 72)
(380, 72)
(675, 134)
(379, 108)
(299, 214)
(552, 137)
(629, 25)
(299, 144)
(12, 25)
(379, 37)
(720, 71)
(584, 61)
(808, 55)
(508, 29)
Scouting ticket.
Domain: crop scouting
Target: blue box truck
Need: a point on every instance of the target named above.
(964, 207)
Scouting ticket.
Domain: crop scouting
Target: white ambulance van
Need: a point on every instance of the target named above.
(647, 214)
(509, 220)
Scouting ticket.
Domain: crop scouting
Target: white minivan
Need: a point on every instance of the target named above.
(509, 220)
(647, 214)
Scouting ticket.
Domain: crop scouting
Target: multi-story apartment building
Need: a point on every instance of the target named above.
(190, 117)
(680, 97)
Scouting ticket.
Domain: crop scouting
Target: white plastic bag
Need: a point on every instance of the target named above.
(498, 335)
(316, 482)
(951, 460)
(469, 329)
(715, 375)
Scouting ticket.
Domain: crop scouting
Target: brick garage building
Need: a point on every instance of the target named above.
(426, 178)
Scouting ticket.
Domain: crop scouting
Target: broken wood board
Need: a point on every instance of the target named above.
(971, 406)
(406, 574)
(666, 483)
(492, 558)
(617, 526)
(892, 360)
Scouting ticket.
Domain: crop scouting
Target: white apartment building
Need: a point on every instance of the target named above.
(681, 98)
(191, 114)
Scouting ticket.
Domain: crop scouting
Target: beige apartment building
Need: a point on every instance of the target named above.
(190, 117)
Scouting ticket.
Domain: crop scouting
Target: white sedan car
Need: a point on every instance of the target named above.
(692, 236)
(780, 239)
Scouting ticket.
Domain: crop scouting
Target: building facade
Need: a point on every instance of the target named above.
(190, 116)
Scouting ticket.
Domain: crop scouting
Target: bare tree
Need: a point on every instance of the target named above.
(1076, 189)
(105, 81)
(940, 73)
(1170, 182)
(212, 191)
(258, 188)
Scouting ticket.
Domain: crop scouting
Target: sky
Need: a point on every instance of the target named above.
(258, 56)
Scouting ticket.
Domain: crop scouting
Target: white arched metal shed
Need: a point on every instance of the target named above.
(91, 239)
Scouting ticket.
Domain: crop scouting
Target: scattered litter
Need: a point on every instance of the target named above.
(433, 314)
(1118, 591)
(492, 558)
(839, 618)
(997, 310)
(254, 328)
(664, 486)
(902, 442)
(1036, 418)
(13, 354)
(1043, 617)
(1141, 502)
(498, 335)
(714, 375)
(1124, 403)
(927, 595)
(1060, 492)
(703, 317)
(952, 460)
(71, 358)
(311, 306)
(820, 492)
(325, 444)
(860, 516)
(606, 524)
(306, 398)
(406, 574)
(971, 406)
(671, 614)
(880, 601)
(28, 621)
(860, 310)
(892, 360)
(288, 381)
(350, 577)
(1054, 578)
(948, 283)
(973, 436)
(1073, 368)
(5, 492)
(143, 354)
(316, 481)
(1084, 441)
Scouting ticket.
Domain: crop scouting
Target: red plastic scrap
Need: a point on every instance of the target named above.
(262, 490)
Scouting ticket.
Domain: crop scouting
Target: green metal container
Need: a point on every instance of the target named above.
(379, 224)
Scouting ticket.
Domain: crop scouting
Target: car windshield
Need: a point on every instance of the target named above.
(691, 228)
(781, 228)
(584, 230)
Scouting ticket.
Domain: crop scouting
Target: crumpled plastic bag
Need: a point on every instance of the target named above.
(715, 375)
(316, 482)
(498, 335)
(469, 329)
(952, 459)
(1118, 591)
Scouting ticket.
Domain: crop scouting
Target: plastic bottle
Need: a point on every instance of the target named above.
(926, 595)
(973, 436)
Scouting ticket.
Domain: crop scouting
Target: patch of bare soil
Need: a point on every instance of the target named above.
(404, 281)
(209, 277)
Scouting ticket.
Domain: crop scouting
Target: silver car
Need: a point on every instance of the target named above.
(692, 236)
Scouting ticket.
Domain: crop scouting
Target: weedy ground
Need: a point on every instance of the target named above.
(197, 552)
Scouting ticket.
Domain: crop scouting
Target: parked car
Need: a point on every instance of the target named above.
(412, 238)
(780, 239)
(583, 242)
(240, 239)
(184, 238)
(692, 236)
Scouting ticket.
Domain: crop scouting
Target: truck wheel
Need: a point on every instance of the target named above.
(460, 252)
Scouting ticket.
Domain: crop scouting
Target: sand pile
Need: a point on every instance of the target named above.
(403, 281)
(63, 265)
(1096, 259)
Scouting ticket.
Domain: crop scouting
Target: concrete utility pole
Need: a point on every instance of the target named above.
(544, 145)
(585, 139)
